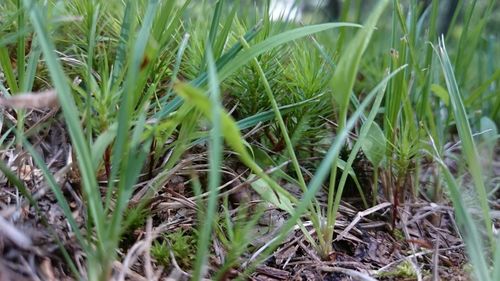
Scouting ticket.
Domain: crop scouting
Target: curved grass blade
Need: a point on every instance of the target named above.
(70, 113)
(272, 42)
(318, 179)
(214, 177)
(361, 138)
(230, 63)
(466, 224)
(347, 68)
(465, 134)
(126, 28)
(230, 132)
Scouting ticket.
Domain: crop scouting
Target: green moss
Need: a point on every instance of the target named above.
(403, 270)
(181, 243)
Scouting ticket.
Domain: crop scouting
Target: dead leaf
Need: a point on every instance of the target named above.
(46, 268)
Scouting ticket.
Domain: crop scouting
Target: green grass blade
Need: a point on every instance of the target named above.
(128, 97)
(177, 66)
(224, 33)
(21, 44)
(31, 68)
(230, 131)
(93, 10)
(214, 177)
(380, 88)
(272, 42)
(496, 262)
(473, 239)
(319, 177)
(279, 118)
(467, 225)
(126, 27)
(465, 134)
(70, 113)
(342, 84)
(347, 68)
(8, 70)
(122, 146)
(214, 26)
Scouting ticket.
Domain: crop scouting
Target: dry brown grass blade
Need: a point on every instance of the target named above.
(7, 274)
(30, 100)
(359, 216)
(357, 275)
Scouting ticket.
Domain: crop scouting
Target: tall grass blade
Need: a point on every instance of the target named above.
(272, 42)
(465, 134)
(123, 147)
(347, 68)
(70, 113)
(467, 225)
(342, 84)
(214, 178)
(126, 27)
(320, 175)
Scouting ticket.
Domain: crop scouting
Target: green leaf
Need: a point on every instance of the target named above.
(489, 130)
(441, 92)
(101, 143)
(374, 145)
(267, 193)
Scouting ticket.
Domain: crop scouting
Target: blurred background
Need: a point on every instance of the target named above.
(313, 11)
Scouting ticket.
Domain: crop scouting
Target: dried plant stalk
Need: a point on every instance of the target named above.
(30, 100)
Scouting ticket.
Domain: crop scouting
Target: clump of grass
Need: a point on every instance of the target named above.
(151, 82)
